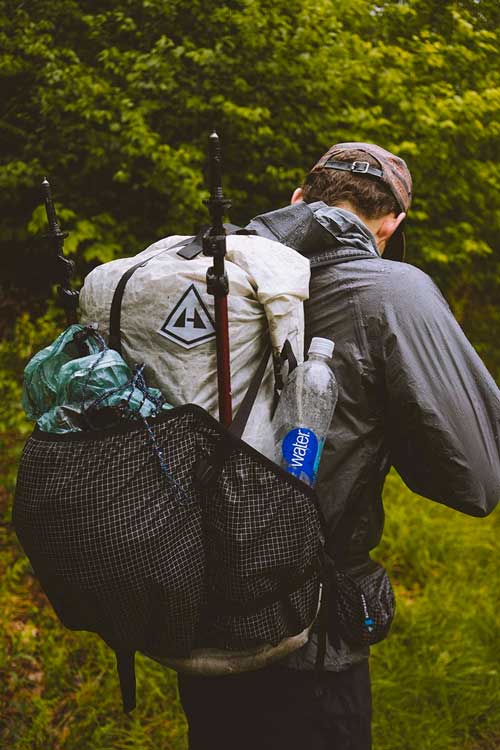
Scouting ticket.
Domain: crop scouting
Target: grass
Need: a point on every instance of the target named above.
(436, 680)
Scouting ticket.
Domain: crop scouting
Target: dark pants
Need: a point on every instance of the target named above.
(279, 709)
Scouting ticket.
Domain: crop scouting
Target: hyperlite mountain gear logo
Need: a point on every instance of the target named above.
(190, 323)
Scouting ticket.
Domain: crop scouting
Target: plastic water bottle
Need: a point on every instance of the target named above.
(304, 413)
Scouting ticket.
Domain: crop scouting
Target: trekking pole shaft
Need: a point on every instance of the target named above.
(214, 245)
(223, 361)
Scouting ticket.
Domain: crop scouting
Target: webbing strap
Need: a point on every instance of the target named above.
(115, 313)
(286, 355)
(193, 248)
(125, 664)
(357, 167)
(239, 423)
(207, 468)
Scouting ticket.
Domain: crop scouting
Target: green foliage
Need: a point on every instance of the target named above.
(59, 689)
(115, 107)
(28, 338)
(437, 678)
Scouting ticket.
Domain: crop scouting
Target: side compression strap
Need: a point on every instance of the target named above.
(116, 303)
(240, 421)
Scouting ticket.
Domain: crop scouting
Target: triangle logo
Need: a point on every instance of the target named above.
(189, 323)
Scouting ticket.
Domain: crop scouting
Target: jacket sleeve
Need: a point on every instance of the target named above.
(443, 407)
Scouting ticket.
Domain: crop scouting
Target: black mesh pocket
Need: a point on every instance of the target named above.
(144, 557)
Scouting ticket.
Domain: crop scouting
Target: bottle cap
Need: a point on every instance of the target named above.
(321, 346)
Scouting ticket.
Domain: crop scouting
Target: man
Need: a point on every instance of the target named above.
(412, 394)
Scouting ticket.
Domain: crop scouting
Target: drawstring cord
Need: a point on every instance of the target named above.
(128, 411)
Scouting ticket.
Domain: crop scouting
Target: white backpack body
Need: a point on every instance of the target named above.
(167, 319)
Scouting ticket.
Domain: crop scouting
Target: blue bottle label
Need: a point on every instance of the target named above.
(301, 451)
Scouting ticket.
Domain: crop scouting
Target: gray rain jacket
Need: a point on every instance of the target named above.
(413, 393)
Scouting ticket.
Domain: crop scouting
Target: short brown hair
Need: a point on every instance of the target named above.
(369, 196)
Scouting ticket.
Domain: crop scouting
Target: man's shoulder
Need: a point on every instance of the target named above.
(397, 296)
(403, 284)
(391, 283)
(396, 272)
(385, 290)
(379, 280)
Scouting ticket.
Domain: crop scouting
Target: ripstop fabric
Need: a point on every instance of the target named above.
(167, 319)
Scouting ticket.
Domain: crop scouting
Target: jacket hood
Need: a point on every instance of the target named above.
(312, 228)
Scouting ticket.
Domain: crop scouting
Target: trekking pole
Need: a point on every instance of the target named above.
(214, 245)
(68, 298)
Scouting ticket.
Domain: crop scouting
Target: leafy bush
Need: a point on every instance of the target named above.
(28, 337)
(115, 107)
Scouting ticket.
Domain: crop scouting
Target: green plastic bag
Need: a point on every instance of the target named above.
(78, 383)
(42, 371)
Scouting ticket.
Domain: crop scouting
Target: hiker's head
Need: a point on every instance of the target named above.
(368, 180)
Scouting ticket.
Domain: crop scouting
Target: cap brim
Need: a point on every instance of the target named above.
(396, 247)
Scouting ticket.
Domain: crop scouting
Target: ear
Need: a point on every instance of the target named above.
(387, 229)
(297, 196)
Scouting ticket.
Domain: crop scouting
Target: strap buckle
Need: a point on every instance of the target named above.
(360, 167)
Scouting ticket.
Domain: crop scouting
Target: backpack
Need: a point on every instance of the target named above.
(175, 538)
(171, 536)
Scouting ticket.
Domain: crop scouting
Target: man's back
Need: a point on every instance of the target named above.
(413, 393)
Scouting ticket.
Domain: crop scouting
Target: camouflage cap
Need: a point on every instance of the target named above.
(392, 171)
